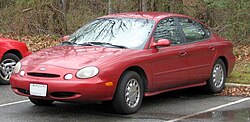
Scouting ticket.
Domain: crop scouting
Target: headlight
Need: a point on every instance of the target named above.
(87, 72)
(17, 67)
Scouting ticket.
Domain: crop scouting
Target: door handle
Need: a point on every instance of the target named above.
(211, 47)
(181, 54)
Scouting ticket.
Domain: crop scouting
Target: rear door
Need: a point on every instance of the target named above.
(200, 50)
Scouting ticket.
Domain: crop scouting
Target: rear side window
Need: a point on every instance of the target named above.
(193, 31)
(167, 29)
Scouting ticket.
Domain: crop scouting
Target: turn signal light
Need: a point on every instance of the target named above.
(109, 84)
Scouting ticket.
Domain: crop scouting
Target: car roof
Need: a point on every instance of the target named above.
(146, 15)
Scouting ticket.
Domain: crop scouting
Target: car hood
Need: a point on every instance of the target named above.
(73, 57)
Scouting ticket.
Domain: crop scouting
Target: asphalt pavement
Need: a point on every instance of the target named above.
(184, 105)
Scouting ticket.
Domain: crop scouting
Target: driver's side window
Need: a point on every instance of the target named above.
(167, 29)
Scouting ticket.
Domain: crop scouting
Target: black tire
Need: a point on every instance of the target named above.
(119, 102)
(220, 73)
(41, 102)
(7, 56)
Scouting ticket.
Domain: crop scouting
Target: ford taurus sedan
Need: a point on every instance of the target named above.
(125, 57)
(11, 52)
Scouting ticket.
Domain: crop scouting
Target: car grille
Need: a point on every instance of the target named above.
(43, 75)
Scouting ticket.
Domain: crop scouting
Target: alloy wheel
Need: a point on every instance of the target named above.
(6, 68)
(132, 93)
(218, 75)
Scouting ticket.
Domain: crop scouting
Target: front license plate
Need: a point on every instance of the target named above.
(38, 90)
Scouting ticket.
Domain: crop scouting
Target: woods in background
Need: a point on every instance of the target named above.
(229, 18)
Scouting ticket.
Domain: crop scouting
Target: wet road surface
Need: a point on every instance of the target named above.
(184, 105)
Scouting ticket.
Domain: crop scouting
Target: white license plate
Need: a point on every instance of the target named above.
(38, 90)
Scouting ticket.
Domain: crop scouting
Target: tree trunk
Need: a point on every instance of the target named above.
(64, 8)
(110, 11)
(144, 5)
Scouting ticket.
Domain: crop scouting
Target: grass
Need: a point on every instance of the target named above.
(240, 74)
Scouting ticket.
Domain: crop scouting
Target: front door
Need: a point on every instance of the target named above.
(168, 63)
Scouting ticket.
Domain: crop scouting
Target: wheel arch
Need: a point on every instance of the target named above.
(142, 74)
(16, 52)
(225, 61)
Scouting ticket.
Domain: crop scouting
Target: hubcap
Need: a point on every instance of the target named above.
(132, 93)
(6, 68)
(218, 75)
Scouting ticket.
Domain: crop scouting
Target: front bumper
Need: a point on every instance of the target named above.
(81, 90)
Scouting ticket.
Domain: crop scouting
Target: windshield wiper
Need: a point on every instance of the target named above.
(109, 44)
(86, 44)
(67, 43)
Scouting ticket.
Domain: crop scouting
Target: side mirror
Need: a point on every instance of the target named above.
(162, 43)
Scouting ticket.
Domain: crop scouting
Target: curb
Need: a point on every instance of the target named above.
(236, 84)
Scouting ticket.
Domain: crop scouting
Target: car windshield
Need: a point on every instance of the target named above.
(131, 33)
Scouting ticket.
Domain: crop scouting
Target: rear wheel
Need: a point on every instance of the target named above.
(129, 93)
(7, 65)
(41, 102)
(216, 82)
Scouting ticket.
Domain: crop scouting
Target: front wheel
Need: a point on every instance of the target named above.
(41, 102)
(129, 93)
(7, 65)
(216, 82)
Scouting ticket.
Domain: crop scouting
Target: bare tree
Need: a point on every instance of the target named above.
(110, 7)
(144, 5)
(64, 8)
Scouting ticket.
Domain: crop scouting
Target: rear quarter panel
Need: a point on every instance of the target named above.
(228, 53)
(224, 49)
(4, 47)
(21, 47)
(7, 45)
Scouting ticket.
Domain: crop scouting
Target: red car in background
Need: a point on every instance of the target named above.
(11, 52)
(124, 57)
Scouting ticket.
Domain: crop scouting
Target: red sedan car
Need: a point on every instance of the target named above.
(11, 52)
(124, 57)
